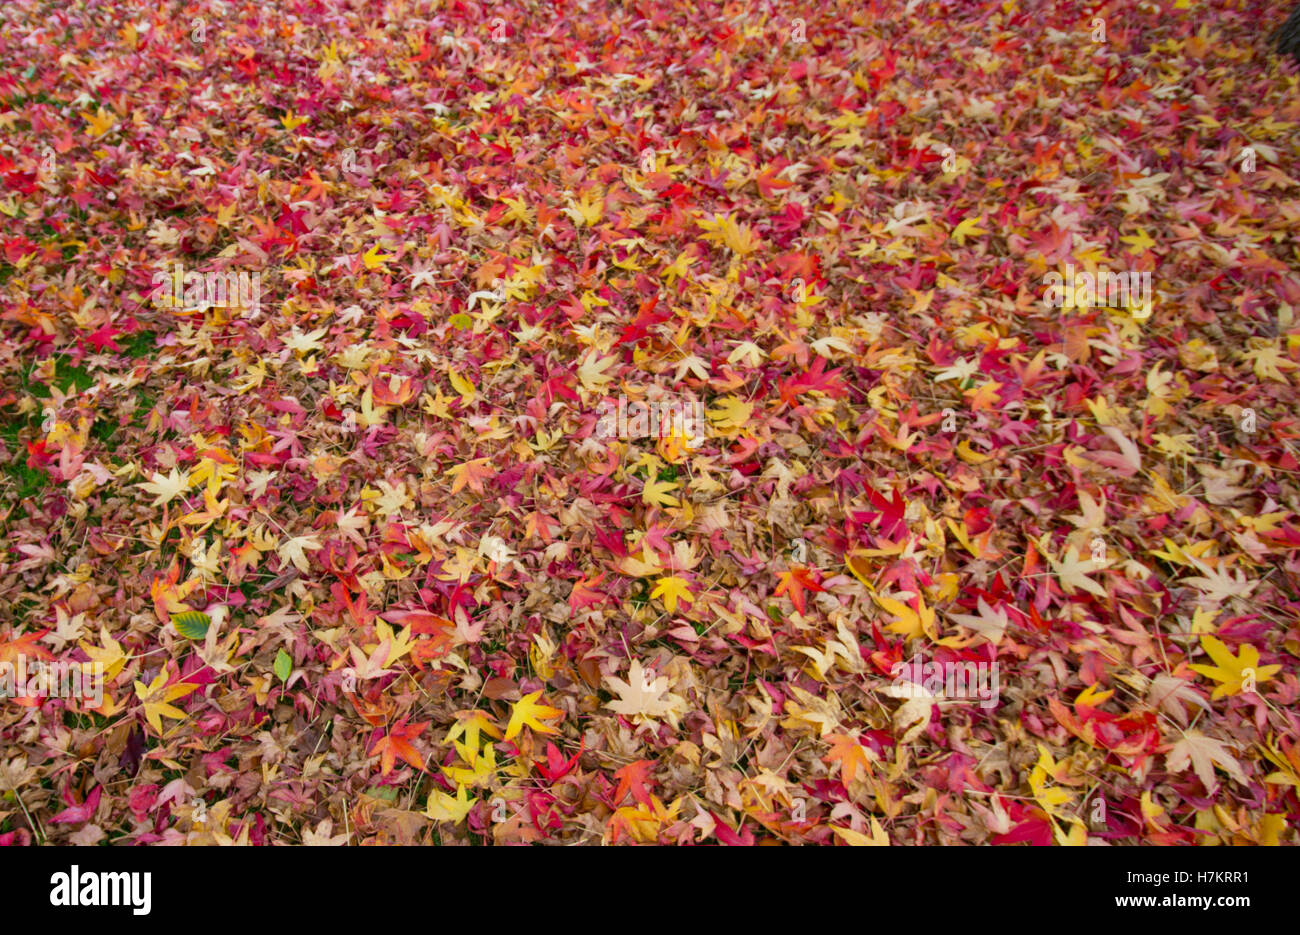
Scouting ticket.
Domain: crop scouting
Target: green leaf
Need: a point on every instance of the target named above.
(283, 665)
(460, 321)
(192, 624)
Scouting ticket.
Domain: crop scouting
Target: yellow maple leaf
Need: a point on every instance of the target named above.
(679, 267)
(528, 713)
(110, 657)
(969, 227)
(589, 210)
(462, 386)
(910, 623)
(100, 122)
(1267, 360)
(656, 493)
(1138, 242)
(156, 699)
(732, 413)
(724, 230)
(166, 487)
(442, 807)
(877, 838)
(1234, 673)
(480, 772)
(399, 644)
(470, 724)
(373, 259)
(670, 589)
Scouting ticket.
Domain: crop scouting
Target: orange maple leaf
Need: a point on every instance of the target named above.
(794, 582)
(395, 391)
(472, 473)
(984, 396)
(850, 754)
(24, 645)
(398, 743)
(632, 778)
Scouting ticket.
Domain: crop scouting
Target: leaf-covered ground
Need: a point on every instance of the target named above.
(357, 565)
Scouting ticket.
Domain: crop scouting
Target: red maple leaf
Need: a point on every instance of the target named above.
(556, 766)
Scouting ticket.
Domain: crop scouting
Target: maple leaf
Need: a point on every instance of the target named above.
(295, 551)
(1217, 585)
(670, 589)
(877, 838)
(679, 267)
(969, 227)
(1170, 693)
(656, 493)
(911, 623)
(556, 766)
(1287, 759)
(1139, 242)
(822, 661)
(99, 122)
(78, 813)
(528, 713)
(443, 807)
(730, 413)
(962, 370)
(472, 473)
(462, 386)
(1129, 460)
(633, 778)
(1203, 754)
(373, 259)
(480, 771)
(639, 697)
(1233, 673)
(794, 582)
(302, 343)
(471, 724)
(1268, 360)
(587, 211)
(1073, 573)
(398, 644)
(24, 645)
(156, 698)
(725, 230)
(850, 754)
(396, 391)
(591, 371)
(323, 835)
(166, 488)
(1093, 516)
(372, 667)
(584, 594)
(746, 351)
(989, 623)
(393, 499)
(111, 657)
(397, 743)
